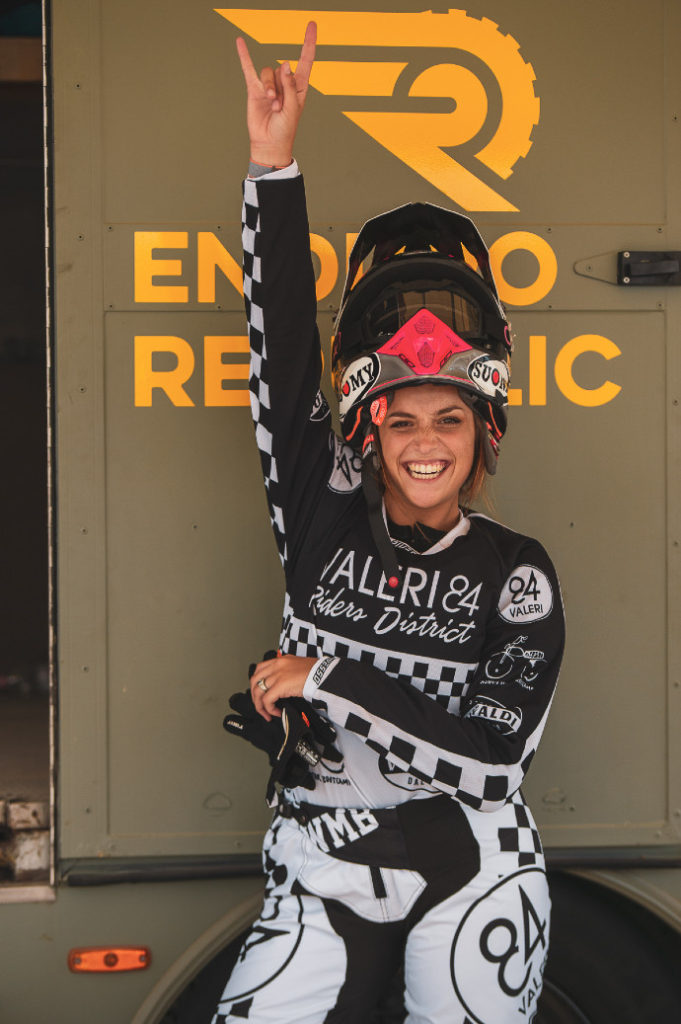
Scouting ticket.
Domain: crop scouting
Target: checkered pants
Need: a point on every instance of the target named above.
(332, 934)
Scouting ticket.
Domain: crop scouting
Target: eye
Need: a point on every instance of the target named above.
(452, 420)
(399, 424)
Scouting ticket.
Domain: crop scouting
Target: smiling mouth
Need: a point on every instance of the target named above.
(426, 470)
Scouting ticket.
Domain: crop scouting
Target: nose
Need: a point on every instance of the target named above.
(425, 439)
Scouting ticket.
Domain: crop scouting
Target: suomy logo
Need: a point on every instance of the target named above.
(490, 375)
(445, 63)
(356, 381)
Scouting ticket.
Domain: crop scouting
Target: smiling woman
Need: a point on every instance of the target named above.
(429, 452)
(418, 853)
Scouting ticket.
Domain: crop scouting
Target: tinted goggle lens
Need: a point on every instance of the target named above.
(395, 308)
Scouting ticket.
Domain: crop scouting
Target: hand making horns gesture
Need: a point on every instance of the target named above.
(275, 102)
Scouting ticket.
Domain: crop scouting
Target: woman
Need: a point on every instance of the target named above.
(418, 847)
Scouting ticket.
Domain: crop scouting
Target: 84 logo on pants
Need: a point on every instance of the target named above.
(500, 949)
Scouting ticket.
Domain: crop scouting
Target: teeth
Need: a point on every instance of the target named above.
(425, 470)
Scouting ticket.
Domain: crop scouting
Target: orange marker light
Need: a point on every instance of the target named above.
(107, 959)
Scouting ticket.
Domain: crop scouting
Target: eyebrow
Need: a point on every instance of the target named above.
(440, 412)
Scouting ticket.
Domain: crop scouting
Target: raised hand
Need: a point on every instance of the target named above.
(276, 99)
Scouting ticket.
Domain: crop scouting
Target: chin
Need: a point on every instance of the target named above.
(437, 504)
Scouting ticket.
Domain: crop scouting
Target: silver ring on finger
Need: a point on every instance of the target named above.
(262, 685)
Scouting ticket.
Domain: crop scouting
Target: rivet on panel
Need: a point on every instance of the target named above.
(86, 668)
(83, 529)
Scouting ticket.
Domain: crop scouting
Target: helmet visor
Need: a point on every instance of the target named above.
(395, 307)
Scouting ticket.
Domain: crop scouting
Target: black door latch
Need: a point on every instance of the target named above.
(651, 268)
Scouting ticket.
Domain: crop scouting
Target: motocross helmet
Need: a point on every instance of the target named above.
(419, 314)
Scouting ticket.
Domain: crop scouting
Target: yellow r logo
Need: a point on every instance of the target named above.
(419, 138)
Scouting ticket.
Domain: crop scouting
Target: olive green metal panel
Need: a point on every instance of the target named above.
(168, 579)
(601, 769)
(193, 595)
(178, 922)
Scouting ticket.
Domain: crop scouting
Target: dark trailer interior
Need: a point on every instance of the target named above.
(24, 634)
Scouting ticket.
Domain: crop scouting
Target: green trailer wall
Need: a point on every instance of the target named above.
(168, 580)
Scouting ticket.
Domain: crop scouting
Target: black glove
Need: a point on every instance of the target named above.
(323, 733)
(289, 741)
(279, 738)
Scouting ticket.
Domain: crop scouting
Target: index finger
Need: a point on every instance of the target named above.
(247, 66)
(307, 54)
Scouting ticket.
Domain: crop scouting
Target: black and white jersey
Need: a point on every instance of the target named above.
(442, 685)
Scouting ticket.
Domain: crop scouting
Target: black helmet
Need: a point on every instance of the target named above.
(420, 314)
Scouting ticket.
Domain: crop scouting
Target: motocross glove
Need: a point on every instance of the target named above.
(290, 742)
(323, 733)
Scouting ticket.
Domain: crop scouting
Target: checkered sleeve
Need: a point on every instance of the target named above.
(290, 414)
(480, 755)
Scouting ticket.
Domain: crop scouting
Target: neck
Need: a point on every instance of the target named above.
(443, 519)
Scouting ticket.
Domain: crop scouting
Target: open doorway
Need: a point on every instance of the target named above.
(24, 616)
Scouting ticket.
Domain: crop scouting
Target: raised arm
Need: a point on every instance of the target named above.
(291, 416)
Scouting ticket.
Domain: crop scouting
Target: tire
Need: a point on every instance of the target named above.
(610, 961)
(196, 1005)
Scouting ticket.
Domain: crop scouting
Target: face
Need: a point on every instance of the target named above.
(428, 446)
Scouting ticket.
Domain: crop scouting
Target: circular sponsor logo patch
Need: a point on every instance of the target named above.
(527, 596)
(401, 779)
(357, 378)
(499, 951)
(489, 375)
